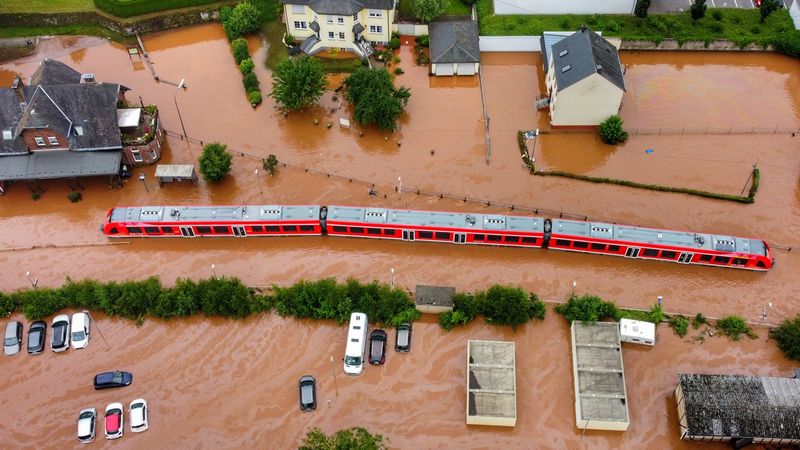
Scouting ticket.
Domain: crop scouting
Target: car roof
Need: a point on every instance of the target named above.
(112, 421)
(11, 329)
(79, 321)
(137, 416)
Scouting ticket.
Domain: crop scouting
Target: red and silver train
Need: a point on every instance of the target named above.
(429, 226)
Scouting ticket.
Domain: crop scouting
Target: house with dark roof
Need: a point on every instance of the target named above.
(65, 125)
(454, 47)
(349, 25)
(585, 82)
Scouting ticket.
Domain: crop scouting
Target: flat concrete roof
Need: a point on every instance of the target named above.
(434, 295)
(600, 395)
(175, 170)
(128, 117)
(491, 383)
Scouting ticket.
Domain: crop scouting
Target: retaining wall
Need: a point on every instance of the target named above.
(509, 43)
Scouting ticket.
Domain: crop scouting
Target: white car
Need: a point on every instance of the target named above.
(138, 413)
(59, 340)
(113, 421)
(86, 425)
(81, 327)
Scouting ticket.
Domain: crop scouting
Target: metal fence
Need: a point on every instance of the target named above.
(693, 131)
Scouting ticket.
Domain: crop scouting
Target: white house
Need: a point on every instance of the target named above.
(351, 25)
(584, 81)
(564, 6)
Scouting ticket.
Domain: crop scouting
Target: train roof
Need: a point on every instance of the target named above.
(467, 221)
(214, 213)
(630, 233)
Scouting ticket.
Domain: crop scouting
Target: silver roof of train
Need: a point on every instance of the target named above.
(629, 233)
(214, 213)
(486, 222)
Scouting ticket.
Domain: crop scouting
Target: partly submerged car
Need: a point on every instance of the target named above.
(37, 333)
(308, 393)
(113, 421)
(113, 379)
(80, 329)
(87, 420)
(59, 340)
(13, 338)
(377, 347)
(402, 342)
(138, 415)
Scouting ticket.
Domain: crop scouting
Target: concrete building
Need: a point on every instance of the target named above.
(491, 383)
(350, 25)
(601, 401)
(741, 410)
(434, 299)
(454, 48)
(564, 7)
(584, 80)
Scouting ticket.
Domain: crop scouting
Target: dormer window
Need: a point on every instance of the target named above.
(52, 140)
(39, 141)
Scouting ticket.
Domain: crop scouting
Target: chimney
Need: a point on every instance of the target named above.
(18, 86)
(87, 78)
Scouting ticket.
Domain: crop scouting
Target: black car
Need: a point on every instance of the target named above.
(377, 347)
(402, 341)
(36, 337)
(114, 379)
(308, 393)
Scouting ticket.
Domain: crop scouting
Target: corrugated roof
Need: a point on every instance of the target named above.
(583, 54)
(59, 164)
(454, 42)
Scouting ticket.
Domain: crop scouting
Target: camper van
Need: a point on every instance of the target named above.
(356, 344)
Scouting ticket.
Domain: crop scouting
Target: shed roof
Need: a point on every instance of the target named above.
(434, 295)
(734, 405)
(454, 42)
(175, 170)
(583, 54)
(59, 164)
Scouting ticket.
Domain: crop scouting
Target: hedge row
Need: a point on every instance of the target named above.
(243, 19)
(128, 8)
(500, 305)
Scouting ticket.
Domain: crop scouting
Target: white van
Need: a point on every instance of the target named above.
(356, 344)
(80, 330)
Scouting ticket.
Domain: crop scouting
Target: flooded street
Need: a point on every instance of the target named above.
(227, 376)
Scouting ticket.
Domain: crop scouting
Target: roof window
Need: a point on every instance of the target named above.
(7, 135)
(563, 53)
(39, 141)
(79, 130)
(566, 68)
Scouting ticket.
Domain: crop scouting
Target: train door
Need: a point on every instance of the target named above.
(239, 231)
(633, 252)
(459, 238)
(408, 235)
(685, 258)
(187, 232)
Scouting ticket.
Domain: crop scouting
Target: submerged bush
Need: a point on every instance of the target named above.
(588, 308)
(240, 50)
(734, 327)
(787, 335)
(500, 305)
(679, 324)
(611, 131)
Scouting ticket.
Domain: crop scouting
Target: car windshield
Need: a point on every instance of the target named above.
(10, 341)
(86, 415)
(78, 336)
(117, 377)
(352, 360)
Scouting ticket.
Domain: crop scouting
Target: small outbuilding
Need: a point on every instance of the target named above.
(434, 299)
(168, 173)
(454, 47)
(637, 332)
(491, 383)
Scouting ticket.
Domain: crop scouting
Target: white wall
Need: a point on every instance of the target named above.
(586, 103)
(564, 6)
(509, 43)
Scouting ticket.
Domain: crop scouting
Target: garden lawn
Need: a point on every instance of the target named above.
(739, 25)
(451, 8)
(17, 6)
(81, 30)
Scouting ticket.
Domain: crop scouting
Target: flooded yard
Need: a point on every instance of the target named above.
(439, 147)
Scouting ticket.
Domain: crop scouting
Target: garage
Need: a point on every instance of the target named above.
(454, 48)
(441, 70)
(465, 69)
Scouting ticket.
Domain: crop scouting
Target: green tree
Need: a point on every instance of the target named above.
(767, 7)
(215, 162)
(611, 131)
(356, 438)
(240, 50)
(588, 308)
(246, 66)
(698, 10)
(298, 82)
(427, 10)
(376, 99)
(640, 10)
(242, 19)
(506, 305)
(787, 335)
(271, 164)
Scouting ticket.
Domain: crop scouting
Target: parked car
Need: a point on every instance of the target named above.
(377, 347)
(86, 425)
(59, 341)
(36, 336)
(402, 342)
(80, 330)
(308, 393)
(13, 338)
(113, 379)
(138, 413)
(113, 421)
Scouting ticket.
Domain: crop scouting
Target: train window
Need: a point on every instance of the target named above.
(512, 238)
(357, 230)
(256, 229)
(134, 230)
(167, 229)
(705, 258)
(722, 259)
(204, 230)
(425, 234)
(478, 237)
(739, 261)
(443, 236)
(390, 232)
(273, 228)
(650, 252)
(306, 227)
(374, 231)
(151, 230)
(596, 246)
(562, 242)
(340, 229)
(668, 254)
(613, 248)
(493, 237)
(290, 228)
(579, 244)
(529, 240)
(222, 230)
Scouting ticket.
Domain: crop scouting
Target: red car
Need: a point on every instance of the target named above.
(113, 421)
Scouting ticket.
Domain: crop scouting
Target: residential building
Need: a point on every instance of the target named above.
(454, 47)
(584, 81)
(564, 7)
(349, 25)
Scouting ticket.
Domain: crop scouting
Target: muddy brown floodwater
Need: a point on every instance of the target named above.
(215, 383)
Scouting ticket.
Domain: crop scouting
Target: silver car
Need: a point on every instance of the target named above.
(13, 338)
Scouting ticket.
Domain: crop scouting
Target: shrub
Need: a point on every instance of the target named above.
(450, 319)
(679, 324)
(240, 50)
(288, 39)
(424, 40)
(767, 7)
(588, 308)
(75, 196)
(611, 131)
(35, 196)
(654, 315)
(640, 10)
(734, 327)
(246, 66)
(699, 320)
(254, 97)
(215, 162)
(398, 71)
(394, 43)
(698, 10)
(243, 19)
(788, 43)
(271, 164)
(505, 305)
(250, 82)
(716, 14)
(427, 10)
(787, 335)
(719, 27)
(351, 438)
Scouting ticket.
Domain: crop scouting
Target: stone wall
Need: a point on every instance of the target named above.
(13, 48)
(672, 44)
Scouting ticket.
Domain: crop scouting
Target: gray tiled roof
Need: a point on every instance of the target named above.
(52, 72)
(59, 164)
(587, 53)
(10, 114)
(342, 7)
(454, 42)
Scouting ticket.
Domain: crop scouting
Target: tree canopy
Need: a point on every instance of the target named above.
(356, 438)
(298, 82)
(215, 162)
(787, 335)
(427, 10)
(698, 9)
(376, 99)
(243, 19)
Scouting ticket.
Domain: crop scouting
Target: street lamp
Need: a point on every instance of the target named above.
(574, 284)
(392, 270)
(400, 187)
(214, 272)
(181, 85)
(32, 281)
(141, 178)
(260, 188)
(660, 300)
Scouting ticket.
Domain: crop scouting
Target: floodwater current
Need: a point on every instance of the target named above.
(217, 383)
